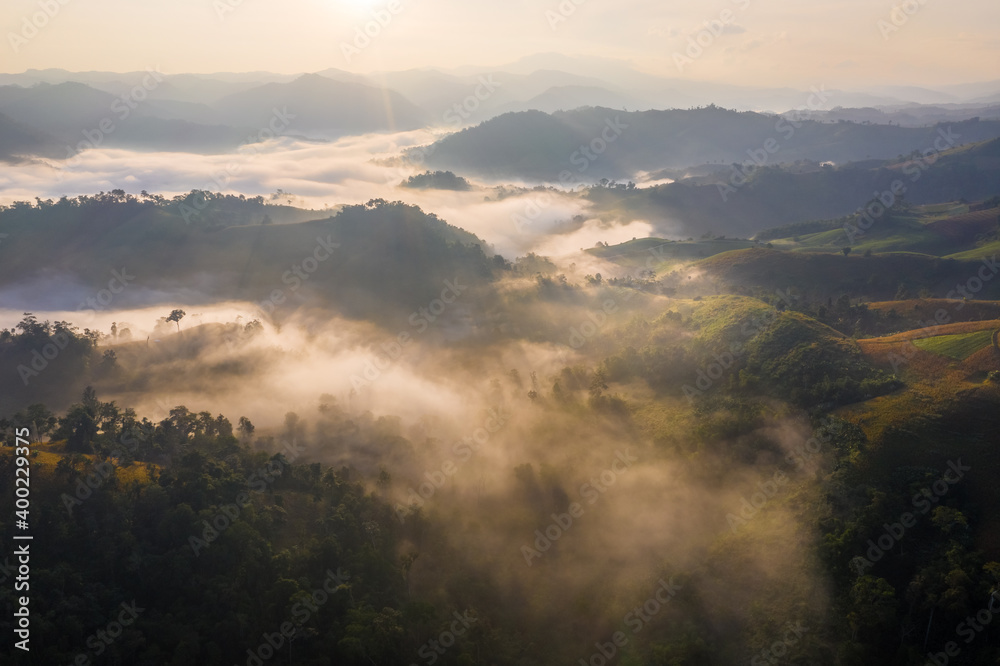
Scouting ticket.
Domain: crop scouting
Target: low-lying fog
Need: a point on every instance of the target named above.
(321, 175)
(359, 400)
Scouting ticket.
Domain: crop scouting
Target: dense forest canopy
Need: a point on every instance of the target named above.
(665, 355)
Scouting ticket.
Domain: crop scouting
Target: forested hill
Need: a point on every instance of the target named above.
(363, 259)
(537, 145)
(741, 200)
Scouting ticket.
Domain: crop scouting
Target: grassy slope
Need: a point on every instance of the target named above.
(938, 229)
(914, 311)
(988, 250)
(947, 409)
(959, 347)
(786, 354)
(823, 275)
(636, 254)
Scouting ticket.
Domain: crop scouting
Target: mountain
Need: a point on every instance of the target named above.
(437, 92)
(488, 93)
(564, 98)
(319, 104)
(918, 94)
(208, 89)
(55, 76)
(988, 99)
(529, 144)
(538, 146)
(776, 196)
(909, 115)
(971, 91)
(18, 141)
(74, 114)
(211, 112)
(579, 65)
(61, 109)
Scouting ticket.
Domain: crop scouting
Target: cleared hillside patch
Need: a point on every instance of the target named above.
(958, 347)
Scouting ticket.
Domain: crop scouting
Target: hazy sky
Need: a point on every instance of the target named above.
(764, 42)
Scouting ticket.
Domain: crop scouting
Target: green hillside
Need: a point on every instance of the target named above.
(959, 347)
(817, 276)
(366, 260)
(948, 229)
(779, 195)
(659, 255)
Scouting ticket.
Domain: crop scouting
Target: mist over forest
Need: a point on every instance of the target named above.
(331, 344)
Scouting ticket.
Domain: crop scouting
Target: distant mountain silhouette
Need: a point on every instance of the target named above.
(75, 115)
(319, 104)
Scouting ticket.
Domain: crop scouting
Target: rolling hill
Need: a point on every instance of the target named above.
(379, 261)
(526, 145)
(821, 276)
(808, 196)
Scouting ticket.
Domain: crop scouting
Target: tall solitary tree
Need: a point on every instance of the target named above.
(176, 317)
(246, 428)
